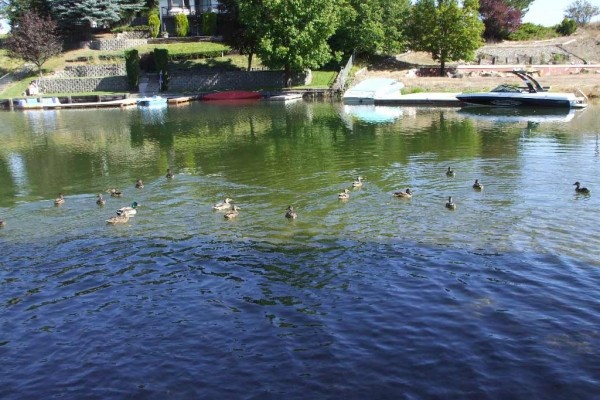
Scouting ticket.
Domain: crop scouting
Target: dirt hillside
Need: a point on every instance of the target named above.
(581, 48)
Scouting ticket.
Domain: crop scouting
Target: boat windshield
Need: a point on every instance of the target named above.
(507, 88)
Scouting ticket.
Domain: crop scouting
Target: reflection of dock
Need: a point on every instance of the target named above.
(90, 101)
(181, 99)
(421, 99)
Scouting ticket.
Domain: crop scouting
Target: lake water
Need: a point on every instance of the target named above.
(372, 298)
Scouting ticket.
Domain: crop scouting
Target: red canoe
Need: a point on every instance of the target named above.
(233, 95)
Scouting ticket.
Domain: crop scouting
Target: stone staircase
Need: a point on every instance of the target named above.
(149, 84)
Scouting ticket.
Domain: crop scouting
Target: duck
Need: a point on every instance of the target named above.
(115, 193)
(290, 213)
(450, 172)
(224, 205)
(118, 219)
(405, 195)
(2, 223)
(358, 182)
(60, 200)
(169, 175)
(100, 201)
(232, 213)
(450, 204)
(139, 184)
(477, 185)
(345, 195)
(580, 189)
(128, 211)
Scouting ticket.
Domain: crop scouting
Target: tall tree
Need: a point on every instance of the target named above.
(14, 9)
(521, 5)
(88, 14)
(34, 39)
(445, 30)
(242, 36)
(582, 11)
(373, 27)
(499, 18)
(294, 34)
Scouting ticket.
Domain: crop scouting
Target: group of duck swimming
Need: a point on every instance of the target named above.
(232, 210)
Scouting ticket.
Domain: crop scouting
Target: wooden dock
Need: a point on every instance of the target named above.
(181, 99)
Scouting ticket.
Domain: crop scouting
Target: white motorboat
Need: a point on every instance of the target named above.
(370, 90)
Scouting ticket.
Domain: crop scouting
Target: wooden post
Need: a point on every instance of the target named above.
(11, 105)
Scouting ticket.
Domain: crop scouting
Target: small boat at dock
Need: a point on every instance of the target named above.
(233, 95)
(152, 101)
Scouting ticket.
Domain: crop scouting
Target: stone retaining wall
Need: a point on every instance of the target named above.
(233, 80)
(83, 85)
(86, 71)
(113, 44)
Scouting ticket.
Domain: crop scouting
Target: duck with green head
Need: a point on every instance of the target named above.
(128, 211)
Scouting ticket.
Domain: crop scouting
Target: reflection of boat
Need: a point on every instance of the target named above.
(522, 114)
(38, 103)
(233, 95)
(373, 114)
(153, 101)
(534, 95)
(372, 89)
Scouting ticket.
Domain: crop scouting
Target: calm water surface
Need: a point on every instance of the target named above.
(372, 298)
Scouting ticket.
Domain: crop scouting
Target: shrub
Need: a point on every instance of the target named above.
(529, 31)
(567, 27)
(209, 23)
(132, 66)
(161, 60)
(182, 25)
(154, 24)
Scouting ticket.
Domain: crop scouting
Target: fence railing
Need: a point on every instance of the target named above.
(342, 79)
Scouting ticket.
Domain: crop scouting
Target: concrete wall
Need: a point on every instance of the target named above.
(113, 44)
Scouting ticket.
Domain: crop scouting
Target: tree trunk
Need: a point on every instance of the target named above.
(250, 55)
(442, 66)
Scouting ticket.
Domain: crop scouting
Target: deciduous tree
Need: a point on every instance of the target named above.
(293, 34)
(582, 11)
(445, 30)
(499, 18)
(34, 39)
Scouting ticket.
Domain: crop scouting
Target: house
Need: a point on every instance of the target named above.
(188, 7)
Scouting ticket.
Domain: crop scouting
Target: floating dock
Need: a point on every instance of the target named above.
(421, 99)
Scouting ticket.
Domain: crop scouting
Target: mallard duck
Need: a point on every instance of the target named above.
(405, 195)
(477, 185)
(224, 205)
(118, 219)
(358, 182)
(60, 200)
(100, 201)
(232, 213)
(115, 193)
(450, 172)
(450, 204)
(129, 211)
(169, 175)
(2, 223)
(139, 184)
(345, 195)
(290, 213)
(580, 189)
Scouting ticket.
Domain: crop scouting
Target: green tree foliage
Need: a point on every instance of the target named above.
(88, 14)
(521, 5)
(373, 27)
(14, 9)
(209, 23)
(238, 34)
(34, 39)
(132, 66)
(582, 11)
(161, 60)
(529, 31)
(445, 30)
(293, 34)
(182, 25)
(154, 24)
(567, 27)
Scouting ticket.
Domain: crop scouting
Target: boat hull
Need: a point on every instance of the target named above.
(543, 100)
(233, 95)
